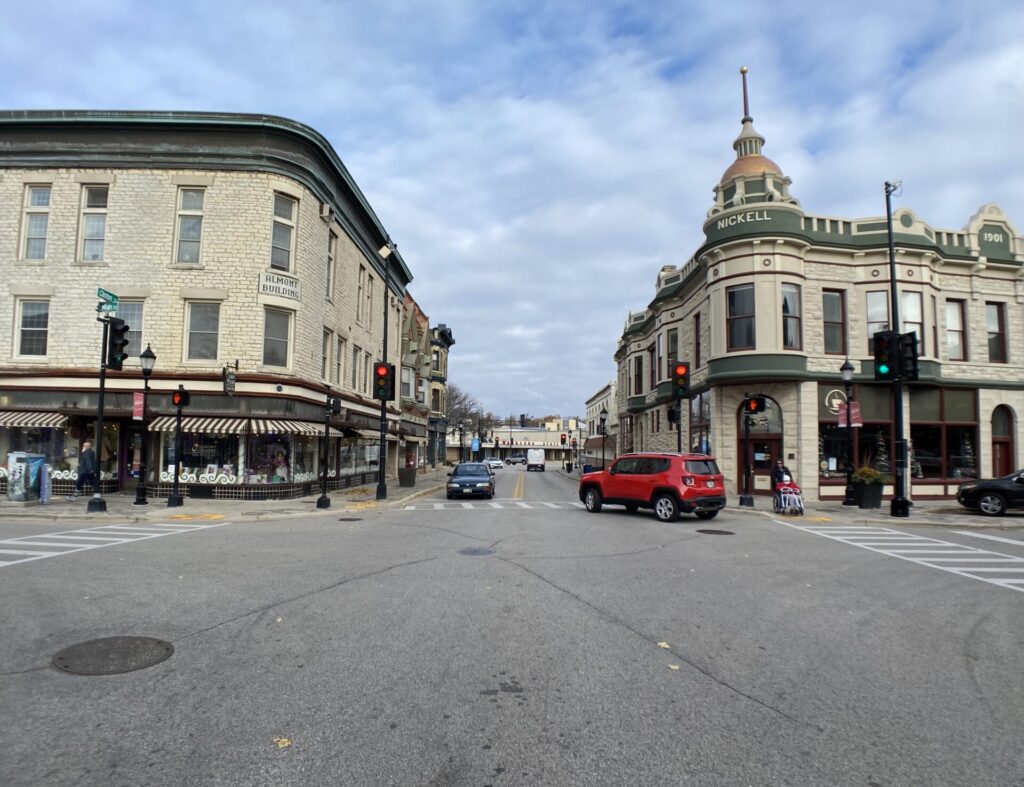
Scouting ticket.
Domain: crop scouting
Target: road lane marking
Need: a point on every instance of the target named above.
(551, 505)
(524, 505)
(896, 546)
(990, 538)
(495, 505)
(71, 541)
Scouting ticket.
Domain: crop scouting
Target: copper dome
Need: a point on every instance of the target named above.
(750, 165)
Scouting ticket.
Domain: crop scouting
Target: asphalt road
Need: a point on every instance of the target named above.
(519, 641)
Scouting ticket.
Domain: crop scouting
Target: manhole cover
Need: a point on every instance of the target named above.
(349, 519)
(717, 532)
(112, 655)
(476, 551)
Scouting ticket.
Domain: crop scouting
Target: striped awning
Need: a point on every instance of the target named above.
(198, 424)
(275, 426)
(372, 435)
(32, 419)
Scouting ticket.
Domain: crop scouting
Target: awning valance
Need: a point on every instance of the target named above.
(414, 439)
(274, 426)
(370, 434)
(32, 419)
(198, 424)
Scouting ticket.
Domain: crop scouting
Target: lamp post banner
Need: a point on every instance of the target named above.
(137, 405)
(855, 419)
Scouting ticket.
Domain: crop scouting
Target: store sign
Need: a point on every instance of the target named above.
(229, 381)
(834, 399)
(137, 399)
(279, 284)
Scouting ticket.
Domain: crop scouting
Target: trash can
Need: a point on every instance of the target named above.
(407, 476)
(568, 467)
(588, 468)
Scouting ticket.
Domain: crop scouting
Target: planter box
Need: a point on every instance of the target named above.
(868, 495)
(407, 476)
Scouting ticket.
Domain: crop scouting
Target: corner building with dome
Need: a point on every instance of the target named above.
(776, 300)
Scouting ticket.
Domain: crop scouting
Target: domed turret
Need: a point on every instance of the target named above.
(752, 178)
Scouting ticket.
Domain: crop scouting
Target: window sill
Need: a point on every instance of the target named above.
(90, 264)
(26, 261)
(273, 369)
(187, 266)
(202, 362)
(42, 360)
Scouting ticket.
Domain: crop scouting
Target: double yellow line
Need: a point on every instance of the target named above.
(517, 490)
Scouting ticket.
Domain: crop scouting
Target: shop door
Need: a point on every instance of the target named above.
(762, 453)
(1002, 456)
(129, 456)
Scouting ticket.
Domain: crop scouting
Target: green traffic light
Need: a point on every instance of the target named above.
(884, 369)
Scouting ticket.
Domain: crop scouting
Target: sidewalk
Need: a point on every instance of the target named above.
(121, 507)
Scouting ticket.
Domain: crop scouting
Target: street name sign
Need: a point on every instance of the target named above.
(109, 297)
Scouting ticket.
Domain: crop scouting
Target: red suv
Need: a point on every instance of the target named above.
(671, 484)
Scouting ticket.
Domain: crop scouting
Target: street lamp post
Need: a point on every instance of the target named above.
(382, 487)
(148, 360)
(604, 432)
(846, 370)
(324, 501)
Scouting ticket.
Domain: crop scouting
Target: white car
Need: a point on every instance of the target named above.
(493, 462)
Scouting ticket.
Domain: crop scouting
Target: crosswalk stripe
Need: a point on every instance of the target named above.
(523, 505)
(467, 505)
(24, 552)
(495, 505)
(89, 538)
(974, 559)
(49, 544)
(1013, 541)
(551, 505)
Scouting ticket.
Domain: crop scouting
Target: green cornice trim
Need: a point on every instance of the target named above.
(757, 368)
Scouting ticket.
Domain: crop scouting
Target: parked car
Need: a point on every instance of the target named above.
(669, 484)
(469, 479)
(494, 462)
(515, 460)
(993, 496)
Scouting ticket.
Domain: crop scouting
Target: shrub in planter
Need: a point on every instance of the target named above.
(867, 486)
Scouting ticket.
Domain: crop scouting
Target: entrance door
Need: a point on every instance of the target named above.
(763, 449)
(1002, 441)
(130, 456)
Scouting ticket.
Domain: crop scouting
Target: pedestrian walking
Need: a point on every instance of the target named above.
(86, 470)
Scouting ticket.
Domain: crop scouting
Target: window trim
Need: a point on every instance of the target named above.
(332, 255)
(86, 211)
(182, 213)
(730, 318)
(326, 348)
(825, 323)
(291, 224)
(35, 210)
(1001, 314)
(133, 329)
(797, 318)
(188, 332)
(20, 329)
(288, 338)
(886, 325)
(961, 307)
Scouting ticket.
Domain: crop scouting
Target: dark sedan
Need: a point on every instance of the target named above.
(995, 496)
(470, 479)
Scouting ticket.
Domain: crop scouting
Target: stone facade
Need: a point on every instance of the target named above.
(287, 259)
(776, 300)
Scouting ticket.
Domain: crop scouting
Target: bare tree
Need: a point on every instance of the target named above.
(462, 406)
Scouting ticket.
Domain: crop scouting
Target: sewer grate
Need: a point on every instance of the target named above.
(717, 532)
(112, 655)
(476, 551)
(350, 519)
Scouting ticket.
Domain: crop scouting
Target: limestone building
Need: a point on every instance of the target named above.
(776, 299)
(242, 253)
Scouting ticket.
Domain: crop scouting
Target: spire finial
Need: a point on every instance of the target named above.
(746, 104)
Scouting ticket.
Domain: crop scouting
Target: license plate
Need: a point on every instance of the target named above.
(467, 491)
(711, 483)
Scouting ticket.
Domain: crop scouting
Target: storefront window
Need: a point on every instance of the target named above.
(268, 459)
(305, 453)
(831, 450)
(700, 423)
(925, 451)
(961, 451)
(210, 458)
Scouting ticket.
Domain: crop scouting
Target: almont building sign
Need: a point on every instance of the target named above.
(280, 285)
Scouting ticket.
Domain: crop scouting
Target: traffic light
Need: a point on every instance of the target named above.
(908, 356)
(563, 439)
(384, 381)
(117, 342)
(334, 405)
(756, 404)
(181, 397)
(887, 359)
(681, 379)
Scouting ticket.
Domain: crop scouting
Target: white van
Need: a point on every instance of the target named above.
(535, 459)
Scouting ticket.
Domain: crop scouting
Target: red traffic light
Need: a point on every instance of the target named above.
(681, 369)
(181, 397)
(382, 370)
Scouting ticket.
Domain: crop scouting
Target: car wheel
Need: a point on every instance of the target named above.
(992, 504)
(666, 508)
(706, 514)
(632, 507)
(592, 500)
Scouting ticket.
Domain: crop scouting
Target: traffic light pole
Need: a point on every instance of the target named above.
(382, 486)
(679, 424)
(900, 505)
(174, 499)
(96, 503)
(746, 499)
(324, 501)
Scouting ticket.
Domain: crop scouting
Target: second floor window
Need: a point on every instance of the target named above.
(435, 400)
(339, 362)
(33, 327)
(833, 318)
(878, 315)
(94, 222)
(792, 338)
(275, 337)
(332, 249)
(407, 382)
(360, 289)
(325, 353)
(190, 225)
(283, 240)
(131, 313)
(37, 220)
(912, 317)
(956, 346)
(740, 318)
(673, 349)
(995, 318)
(638, 375)
(435, 361)
(203, 331)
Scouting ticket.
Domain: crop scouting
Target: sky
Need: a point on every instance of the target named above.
(537, 163)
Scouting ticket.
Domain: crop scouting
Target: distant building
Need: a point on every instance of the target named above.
(776, 300)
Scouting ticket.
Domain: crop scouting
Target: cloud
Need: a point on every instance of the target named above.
(538, 163)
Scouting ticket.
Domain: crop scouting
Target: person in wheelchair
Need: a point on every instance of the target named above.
(780, 475)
